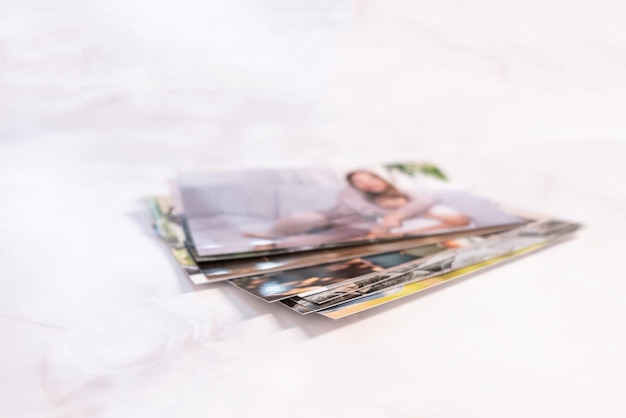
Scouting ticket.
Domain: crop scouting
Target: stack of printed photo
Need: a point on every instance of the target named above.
(338, 241)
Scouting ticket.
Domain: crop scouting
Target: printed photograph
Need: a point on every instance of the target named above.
(272, 211)
(167, 226)
(371, 300)
(168, 220)
(409, 271)
(407, 281)
(280, 285)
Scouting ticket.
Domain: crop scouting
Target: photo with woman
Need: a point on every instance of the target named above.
(300, 209)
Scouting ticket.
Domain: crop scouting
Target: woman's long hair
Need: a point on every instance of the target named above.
(390, 189)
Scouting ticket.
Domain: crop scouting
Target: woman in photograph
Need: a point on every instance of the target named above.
(368, 207)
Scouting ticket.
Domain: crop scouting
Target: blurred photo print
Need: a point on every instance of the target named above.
(245, 213)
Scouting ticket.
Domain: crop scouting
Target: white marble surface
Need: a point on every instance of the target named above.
(102, 102)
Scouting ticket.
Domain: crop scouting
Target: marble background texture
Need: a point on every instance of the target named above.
(102, 102)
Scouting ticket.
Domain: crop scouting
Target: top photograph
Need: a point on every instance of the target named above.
(258, 212)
